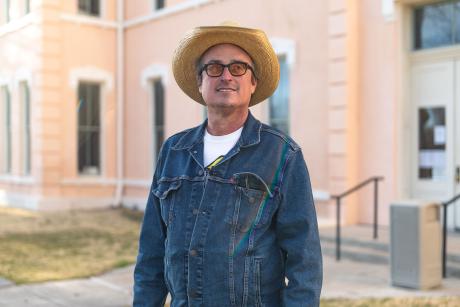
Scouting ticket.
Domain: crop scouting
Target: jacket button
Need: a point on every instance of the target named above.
(195, 211)
(252, 200)
(200, 172)
(193, 253)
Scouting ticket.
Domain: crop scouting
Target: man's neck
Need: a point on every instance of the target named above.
(223, 123)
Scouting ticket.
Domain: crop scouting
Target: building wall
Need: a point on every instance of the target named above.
(299, 24)
(377, 131)
(87, 49)
(348, 104)
(53, 48)
(20, 57)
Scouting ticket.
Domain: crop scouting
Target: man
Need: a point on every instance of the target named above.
(230, 215)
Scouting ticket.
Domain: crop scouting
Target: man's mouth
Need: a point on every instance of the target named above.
(226, 89)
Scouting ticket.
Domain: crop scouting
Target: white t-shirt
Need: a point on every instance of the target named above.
(216, 146)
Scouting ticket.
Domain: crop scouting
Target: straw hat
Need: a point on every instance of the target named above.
(253, 41)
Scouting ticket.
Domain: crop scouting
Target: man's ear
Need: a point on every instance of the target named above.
(254, 83)
(199, 82)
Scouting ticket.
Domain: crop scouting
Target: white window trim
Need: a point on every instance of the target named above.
(139, 183)
(89, 20)
(148, 75)
(105, 79)
(286, 47)
(20, 180)
(154, 71)
(17, 24)
(89, 180)
(6, 81)
(388, 10)
(23, 75)
(92, 74)
(99, 21)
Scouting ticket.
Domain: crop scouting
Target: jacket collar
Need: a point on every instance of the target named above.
(249, 136)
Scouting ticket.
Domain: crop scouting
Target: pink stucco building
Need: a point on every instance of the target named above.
(368, 88)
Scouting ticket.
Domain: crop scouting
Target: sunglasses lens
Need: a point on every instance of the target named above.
(237, 69)
(214, 70)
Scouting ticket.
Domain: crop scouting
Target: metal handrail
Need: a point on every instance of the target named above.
(444, 231)
(374, 179)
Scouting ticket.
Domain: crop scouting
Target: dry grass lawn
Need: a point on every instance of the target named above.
(40, 246)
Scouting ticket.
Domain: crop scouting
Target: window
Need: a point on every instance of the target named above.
(89, 128)
(205, 113)
(158, 115)
(437, 25)
(6, 130)
(25, 127)
(279, 101)
(7, 16)
(159, 4)
(432, 144)
(90, 7)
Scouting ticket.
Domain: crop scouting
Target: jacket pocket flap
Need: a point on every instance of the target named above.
(165, 187)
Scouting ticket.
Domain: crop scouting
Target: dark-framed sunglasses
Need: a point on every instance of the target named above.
(236, 69)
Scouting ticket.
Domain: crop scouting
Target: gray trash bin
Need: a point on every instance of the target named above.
(415, 244)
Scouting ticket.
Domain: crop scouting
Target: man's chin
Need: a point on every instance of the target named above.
(224, 104)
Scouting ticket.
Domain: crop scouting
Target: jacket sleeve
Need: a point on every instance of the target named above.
(149, 284)
(297, 235)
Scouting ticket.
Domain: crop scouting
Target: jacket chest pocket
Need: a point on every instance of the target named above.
(252, 205)
(166, 191)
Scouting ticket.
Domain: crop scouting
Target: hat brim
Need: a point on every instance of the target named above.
(253, 41)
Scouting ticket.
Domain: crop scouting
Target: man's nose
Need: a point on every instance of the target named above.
(226, 75)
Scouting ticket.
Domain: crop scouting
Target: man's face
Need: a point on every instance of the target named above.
(227, 90)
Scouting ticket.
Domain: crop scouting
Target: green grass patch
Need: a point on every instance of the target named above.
(41, 246)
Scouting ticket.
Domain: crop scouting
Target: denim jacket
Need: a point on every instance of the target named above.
(243, 233)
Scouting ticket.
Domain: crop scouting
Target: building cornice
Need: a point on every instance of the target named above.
(167, 11)
(17, 24)
(89, 20)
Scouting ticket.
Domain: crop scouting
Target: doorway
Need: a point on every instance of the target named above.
(435, 109)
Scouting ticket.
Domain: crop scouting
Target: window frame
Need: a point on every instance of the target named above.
(88, 169)
(272, 121)
(26, 125)
(6, 108)
(158, 4)
(88, 12)
(26, 7)
(414, 32)
(7, 16)
(158, 130)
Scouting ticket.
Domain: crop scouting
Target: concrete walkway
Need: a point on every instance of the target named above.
(364, 268)
(111, 289)
(362, 272)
